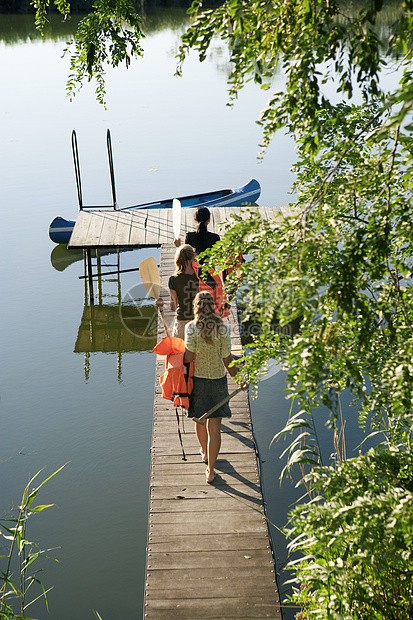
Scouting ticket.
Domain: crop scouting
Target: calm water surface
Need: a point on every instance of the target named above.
(94, 410)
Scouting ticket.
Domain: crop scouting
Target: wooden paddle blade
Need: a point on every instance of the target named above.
(151, 279)
(176, 218)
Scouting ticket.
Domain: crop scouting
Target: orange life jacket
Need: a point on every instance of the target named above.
(240, 259)
(177, 380)
(217, 290)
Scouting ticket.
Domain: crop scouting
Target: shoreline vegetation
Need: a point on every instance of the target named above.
(84, 6)
(20, 578)
(17, 18)
(20, 26)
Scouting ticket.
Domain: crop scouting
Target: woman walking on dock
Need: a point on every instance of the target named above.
(208, 344)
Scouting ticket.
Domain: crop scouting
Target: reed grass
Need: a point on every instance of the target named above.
(20, 587)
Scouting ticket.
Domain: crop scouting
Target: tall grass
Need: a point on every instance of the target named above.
(20, 585)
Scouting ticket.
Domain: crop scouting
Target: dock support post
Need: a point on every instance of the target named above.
(89, 276)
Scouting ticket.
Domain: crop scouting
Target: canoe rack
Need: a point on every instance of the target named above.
(79, 180)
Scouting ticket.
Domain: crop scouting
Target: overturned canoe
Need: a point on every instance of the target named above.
(247, 194)
(60, 230)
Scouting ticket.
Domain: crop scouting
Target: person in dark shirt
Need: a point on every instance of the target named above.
(183, 286)
(201, 239)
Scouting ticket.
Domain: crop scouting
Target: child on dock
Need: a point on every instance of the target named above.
(183, 286)
(208, 343)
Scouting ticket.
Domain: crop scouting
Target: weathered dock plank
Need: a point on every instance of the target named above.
(211, 607)
(123, 229)
(148, 227)
(83, 222)
(210, 542)
(209, 553)
(108, 232)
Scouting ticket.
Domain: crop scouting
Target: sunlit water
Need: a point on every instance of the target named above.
(170, 137)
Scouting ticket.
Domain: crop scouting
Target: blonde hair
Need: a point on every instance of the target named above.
(207, 321)
(184, 254)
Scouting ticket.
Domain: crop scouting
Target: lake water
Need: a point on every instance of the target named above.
(93, 409)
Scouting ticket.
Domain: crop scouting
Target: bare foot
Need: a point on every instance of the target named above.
(210, 476)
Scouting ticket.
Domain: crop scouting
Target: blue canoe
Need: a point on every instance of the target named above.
(61, 229)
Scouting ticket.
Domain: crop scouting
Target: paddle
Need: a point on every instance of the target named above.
(176, 218)
(273, 367)
(151, 279)
(215, 407)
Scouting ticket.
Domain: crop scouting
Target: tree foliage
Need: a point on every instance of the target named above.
(341, 266)
(357, 540)
(109, 35)
(312, 42)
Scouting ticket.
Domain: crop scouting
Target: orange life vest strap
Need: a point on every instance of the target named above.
(217, 292)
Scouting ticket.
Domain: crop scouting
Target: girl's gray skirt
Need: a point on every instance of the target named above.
(206, 394)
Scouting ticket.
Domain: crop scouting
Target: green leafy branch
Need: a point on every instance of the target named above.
(41, 7)
(313, 42)
(111, 34)
(340, 266)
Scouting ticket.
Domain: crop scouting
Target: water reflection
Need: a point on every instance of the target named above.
(61, 257)
(21, 28)
(122, 325)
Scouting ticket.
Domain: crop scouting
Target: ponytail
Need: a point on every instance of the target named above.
(202, 215)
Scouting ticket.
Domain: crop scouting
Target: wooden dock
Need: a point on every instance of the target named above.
(147, 227)
(137, 228)
(209, 553)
